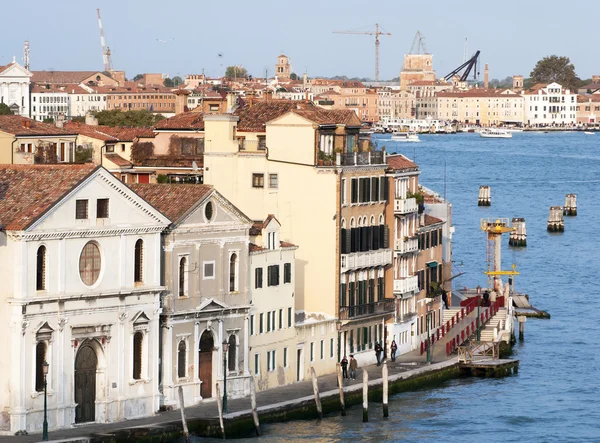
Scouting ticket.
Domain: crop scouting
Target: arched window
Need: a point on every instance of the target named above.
(90, 263)
(138, 268)
(181, 358)
(182, 276)
(40, 358)
(138, 338)
(232, 351)
(40, 271)
(233, 273)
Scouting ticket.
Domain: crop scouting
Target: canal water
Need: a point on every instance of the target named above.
(555, 395)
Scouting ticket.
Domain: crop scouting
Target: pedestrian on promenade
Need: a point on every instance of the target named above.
(445, 298)
(344, 365)
(378, 350)
(393, 348)
(353, 367)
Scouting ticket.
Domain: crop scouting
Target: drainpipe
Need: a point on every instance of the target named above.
(12, 152)
(101, 149)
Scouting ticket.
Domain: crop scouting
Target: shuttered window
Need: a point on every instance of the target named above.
(354, 190)
(40, 271)
(137, 355)
(81, 209)
(40, 358)
(139, 261)
(273, 275)
(232, 353)
(102, 208)
(181, 357)
(289, 317)
(258, 278)
(342, 294)
(287, 273)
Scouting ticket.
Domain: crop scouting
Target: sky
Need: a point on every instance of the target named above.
(211, 35)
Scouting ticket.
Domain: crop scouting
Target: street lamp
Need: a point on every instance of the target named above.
(45, 366)
(225, 349)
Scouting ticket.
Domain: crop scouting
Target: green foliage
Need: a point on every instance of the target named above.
(138, 77)
(4, 109)
(83, 154)
(556, 69)
(235, 72)
(141, 151)
(173, 82)
(168, 83)
(49, 120)
(78, 119)
(162, 178)
(116, 117)
(293, 76)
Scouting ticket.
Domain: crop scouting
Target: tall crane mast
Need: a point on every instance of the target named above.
(105, 51)
(376, 33)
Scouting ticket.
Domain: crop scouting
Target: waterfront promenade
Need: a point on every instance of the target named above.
(408, 366)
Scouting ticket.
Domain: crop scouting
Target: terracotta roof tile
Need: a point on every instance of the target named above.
(400, 162)
(173, 201)
(17, 125)
(41, 88)
(61, 77)
(89, 131)
(127, 134)
(285, 244)
(254, 117)
(118, 160)
(25, 194)
(431, 220)
(187, 120)
(255, 248)
(330, 116)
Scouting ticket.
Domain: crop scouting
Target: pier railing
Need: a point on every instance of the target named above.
(466, 353)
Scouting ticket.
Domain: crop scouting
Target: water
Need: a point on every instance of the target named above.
(554, 396)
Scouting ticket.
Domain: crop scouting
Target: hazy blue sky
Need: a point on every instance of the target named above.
(511, 35)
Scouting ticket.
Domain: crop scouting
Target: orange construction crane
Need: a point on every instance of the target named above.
(376, 33)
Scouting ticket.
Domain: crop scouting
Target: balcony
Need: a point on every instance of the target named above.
(406, 284)
(405, 206)
(361, 158)
(406, 245)
(368, 259)
(387, 306)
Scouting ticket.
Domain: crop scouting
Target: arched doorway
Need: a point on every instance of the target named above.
(207, 345)
(86, 363)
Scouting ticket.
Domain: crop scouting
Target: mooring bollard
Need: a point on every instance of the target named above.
(365, 396)
(518, 236)
(186, 433)
(485, 196)
(384, 376)
(521, 319)
(570, 205)
(556, 222)
(220, 409)
(254, 408)
(315, 384)
(341, 386)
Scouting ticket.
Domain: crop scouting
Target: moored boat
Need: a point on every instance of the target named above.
(494, 133)
(405, 137)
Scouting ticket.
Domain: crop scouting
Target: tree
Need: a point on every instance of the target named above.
(556, 69)
(4, 109)
(168, 83)
(177, 81)
(236, 72)
(293, 76)
(116, 117)
(138, 77)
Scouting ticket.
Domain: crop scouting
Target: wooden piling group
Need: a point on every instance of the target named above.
(485, 196)
(556, 222)
(570, 208)
(518, 237)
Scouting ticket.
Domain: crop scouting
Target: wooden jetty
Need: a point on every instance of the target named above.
(481, 358)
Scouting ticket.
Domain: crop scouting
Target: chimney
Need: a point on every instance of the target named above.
(91, 120)
(60, 121)
(181, 101)
(486, 76)
(306, 96)
(231, 102)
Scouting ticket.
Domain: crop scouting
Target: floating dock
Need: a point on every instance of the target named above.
(490, 367)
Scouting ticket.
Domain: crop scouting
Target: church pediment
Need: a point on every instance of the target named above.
(15, 70)
(140, 319)
(211, 305)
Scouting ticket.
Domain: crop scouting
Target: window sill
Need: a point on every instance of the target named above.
(140, 381)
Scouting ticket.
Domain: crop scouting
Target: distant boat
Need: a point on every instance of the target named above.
(494, 133)
(405, 137)
(588, 132)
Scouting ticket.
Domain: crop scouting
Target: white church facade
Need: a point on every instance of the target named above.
(15, 83)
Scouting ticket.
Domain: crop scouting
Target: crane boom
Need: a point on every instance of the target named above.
(105, 50)
(376, 33)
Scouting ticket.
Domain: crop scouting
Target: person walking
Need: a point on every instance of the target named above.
(378, 350)
(393, 348)
(353, 367)
(344, 365)
(445, 298)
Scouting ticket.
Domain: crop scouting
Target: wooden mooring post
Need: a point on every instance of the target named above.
(220, 410)
(365, 396)
(254, 408)
(315, 384)
(186, 433)
(485, 196)
(521, 319)
(518, 236)
(556, 222)
(570, 208)
(340, 379)
(384, 376)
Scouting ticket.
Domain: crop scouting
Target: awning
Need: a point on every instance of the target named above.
(432, 264)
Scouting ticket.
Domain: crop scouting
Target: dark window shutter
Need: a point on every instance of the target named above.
(364, 240)
(381, 188)
(382, 236)
(348, 241)
(376, 240)
(181, 359)
(386, 236)
(354, 190)
(137, 355)
(343, 295)
(374, 189)
(386, 188)
(343, 241)
(353, 240)
(367, 189)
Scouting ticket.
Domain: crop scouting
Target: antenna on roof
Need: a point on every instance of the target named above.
(26, 55)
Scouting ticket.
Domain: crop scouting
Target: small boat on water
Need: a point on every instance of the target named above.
(588, 132)
(405, 137)
(494, 133)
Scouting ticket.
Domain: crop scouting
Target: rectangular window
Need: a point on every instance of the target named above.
(322, 349)
(268, 322)
(270, 361)
(312, 352)
(331, 348)
(81, 209)
(289, 317)
(287, 273)
(258, 180)
(258, 278)
(354, 190)
(273, 275)
(209, 270)
(281, 319)
(343, 191)
(273, 181)
(256, 364)
(260, 323)
(252, 325)
(285, 362)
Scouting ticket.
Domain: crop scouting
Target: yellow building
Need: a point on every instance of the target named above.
(309, 168)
